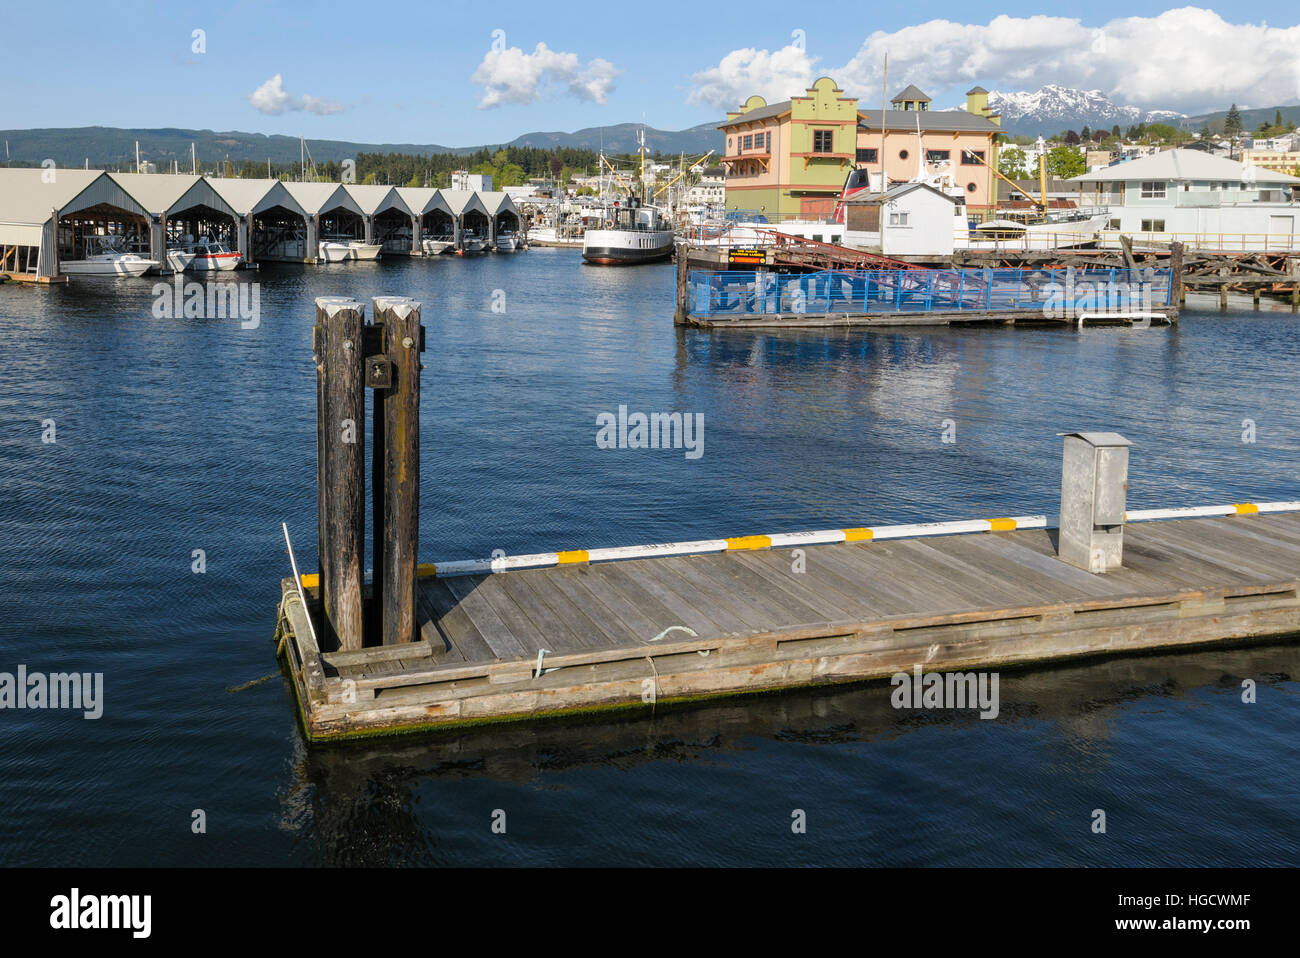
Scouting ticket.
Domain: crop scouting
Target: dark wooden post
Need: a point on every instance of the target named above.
(1176, 292)
(341, 469)
(396, 460)
(683, 284)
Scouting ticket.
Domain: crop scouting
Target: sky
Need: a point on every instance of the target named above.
(468, 74)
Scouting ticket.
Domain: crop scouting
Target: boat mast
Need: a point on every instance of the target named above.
(884, 101)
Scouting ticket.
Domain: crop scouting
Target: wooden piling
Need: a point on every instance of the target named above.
(397, 454)
(1178, 293)
(341, 433)
(1223, 296)
(683, 267)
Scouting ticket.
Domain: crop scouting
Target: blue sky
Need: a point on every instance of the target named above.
(437, 73)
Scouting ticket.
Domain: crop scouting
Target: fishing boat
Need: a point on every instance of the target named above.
(211, 256)
(635, 234)
(106, 255)
(632, 231)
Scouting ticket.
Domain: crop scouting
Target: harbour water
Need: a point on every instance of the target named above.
(177, 435)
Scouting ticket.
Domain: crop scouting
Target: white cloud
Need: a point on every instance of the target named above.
(272, 98)
(1189, 59)
(742, 73)
(511, 76)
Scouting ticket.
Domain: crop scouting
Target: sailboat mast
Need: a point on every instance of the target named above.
(884, 102)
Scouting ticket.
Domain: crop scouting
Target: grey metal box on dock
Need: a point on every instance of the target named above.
(1094, 485)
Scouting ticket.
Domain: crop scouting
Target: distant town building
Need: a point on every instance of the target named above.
(477, 182)
(790, 159)
(711, 190)
(1192, 193)
(1270, 159)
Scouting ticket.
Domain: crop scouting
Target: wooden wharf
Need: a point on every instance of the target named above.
(521, 637)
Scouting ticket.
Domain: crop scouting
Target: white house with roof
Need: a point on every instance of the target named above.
(1209, 201)
(910, 219)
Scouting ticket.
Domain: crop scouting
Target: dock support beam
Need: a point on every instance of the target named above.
(340, 464)
(1177, 293)
(395, 487)
(683, 291)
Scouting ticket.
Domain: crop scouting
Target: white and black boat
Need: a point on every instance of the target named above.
(635, 234)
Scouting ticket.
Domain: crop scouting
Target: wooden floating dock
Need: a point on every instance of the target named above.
(858, 611)
(520, 637)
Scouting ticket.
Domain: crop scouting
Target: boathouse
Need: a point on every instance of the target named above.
(469, 213)
(180, 204)
(272, 225)
(502, 212)
(331, 212)
(387, 216)
(81, 202)
(433, 219)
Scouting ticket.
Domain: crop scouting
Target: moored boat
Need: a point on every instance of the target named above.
(436, 245)
(211, 256)
(636, 234)
(507, 242)
(105, 255)
(179, 259)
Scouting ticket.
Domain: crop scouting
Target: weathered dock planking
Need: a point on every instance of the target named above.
(524, 636)
(858, 611)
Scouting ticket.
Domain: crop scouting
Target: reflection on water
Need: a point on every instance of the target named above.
(183, 434)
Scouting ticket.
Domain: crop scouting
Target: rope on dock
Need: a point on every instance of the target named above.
(780, 540)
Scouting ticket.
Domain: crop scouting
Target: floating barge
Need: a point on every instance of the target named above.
(912, 296)
(521, 637)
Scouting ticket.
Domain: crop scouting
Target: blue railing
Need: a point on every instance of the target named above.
(1057, 292)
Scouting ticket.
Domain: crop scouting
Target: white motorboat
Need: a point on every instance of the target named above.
(105, 255)
(472, 243)
(363, 250)
(436, 245)
(507, 242)
(210, 256)
(179, 259)
(333, 251)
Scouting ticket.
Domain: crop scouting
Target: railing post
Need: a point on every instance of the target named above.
(340, 414)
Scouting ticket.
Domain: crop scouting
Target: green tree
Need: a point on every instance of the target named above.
(1085, 133)
(1114, 131)
(1064, 162)
(1011, 163)
(414, 180)
(1232, 125)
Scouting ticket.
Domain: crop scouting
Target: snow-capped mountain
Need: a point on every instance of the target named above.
(1053, 108)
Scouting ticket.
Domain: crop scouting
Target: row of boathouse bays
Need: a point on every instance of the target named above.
(56, 222)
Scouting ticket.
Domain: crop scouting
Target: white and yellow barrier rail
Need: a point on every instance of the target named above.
(784, 540)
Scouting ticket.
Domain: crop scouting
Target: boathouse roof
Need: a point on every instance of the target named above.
(248, 197)
(163, 194)
(317, 198)
(462, 201)
(497, 202)
(1177, 165)
(932, 121)
(28, 198)
(423, 199)
(374, 199)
